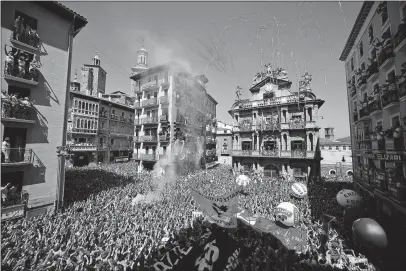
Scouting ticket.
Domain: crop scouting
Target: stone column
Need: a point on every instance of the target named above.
(258, 142)
(288, 142)
(253, 141)
(308, 141)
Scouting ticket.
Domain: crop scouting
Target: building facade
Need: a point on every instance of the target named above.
(100, 125)
(224, 143)
(336, 154)
(35, 84)
(375, 64)
(170, 106)
(276, 131)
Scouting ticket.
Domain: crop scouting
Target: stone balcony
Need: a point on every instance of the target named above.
(83, 147)
(150, 120)
(297, 125)
(149, 86)
(148, 138)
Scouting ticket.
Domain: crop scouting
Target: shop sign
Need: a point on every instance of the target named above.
(389, 157)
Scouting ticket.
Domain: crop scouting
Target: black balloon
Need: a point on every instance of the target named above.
(368, 233)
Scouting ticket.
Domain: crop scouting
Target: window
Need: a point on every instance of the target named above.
(373, 53)
(322, 147)
(395, 120)
(28, 23)
(352, 64)
(365, 97)
(122, 114)
(361, 49)
(403, 12)
(376, 88)
(337, 148)
(371, 33)
(349, 148)
(156, 78)
(113, 112)
(355, 105)
(344, 148)
(362, 66)
(391, 78)
(330, 148)
(384, 12)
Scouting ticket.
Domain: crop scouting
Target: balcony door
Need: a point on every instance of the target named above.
(269, 145)
(246, 145)
(17, 138)
(297, 146)
(271, 171)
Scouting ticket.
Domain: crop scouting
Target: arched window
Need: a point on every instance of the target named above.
(76, 103)
(332, 172)
(78, 123)
(80, 105)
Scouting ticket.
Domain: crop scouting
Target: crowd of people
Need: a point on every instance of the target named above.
(100, 228)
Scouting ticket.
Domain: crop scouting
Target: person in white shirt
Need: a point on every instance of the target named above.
(5, 149)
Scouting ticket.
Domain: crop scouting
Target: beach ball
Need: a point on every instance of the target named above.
(299, 190)
(348, 198)
(368, 233)
(243, 180)
(287, 214)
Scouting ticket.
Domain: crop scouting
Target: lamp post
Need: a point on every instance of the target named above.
(62, 153)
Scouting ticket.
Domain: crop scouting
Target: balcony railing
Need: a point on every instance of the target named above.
(364, 112)
(18, 111)
(21, 74)
(17, 156)
(402, 89)
(271, 153)
(298, 153)
(298, 124)
(83, 130)
(400, 36)
(83, 147)
(137, 104)
(148, 138)
(149, 85)
(137, 122)
(353, 91)
(150, 120)
(390, 96)
(270, 102)
(150, 102)
(163, 118)
(226, 152)
(268, 125)
(164, 100)
(147, 156)
(385, 54)
(137, 139)
(362, 80)
(375, 106)
(85, 112)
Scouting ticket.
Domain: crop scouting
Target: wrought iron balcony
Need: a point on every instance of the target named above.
(150, 120)
(226, 152)
(19, 111)
(364, 112)
(150, 102)
(400, 37)
(375, 106)
(245, 127)
(21, 74)
(82, 147)
(137, 139)
(245, 153)
(269, 126)
(164, 100)
(298, 154)
(269, 102)
(16, 156)
(148, 138)
(297, 124)
(149, 86)
(147, 156)
(362, 81)
(386, 54)
(163, 118)
(137, 122)
(402, 89)
(389, 97)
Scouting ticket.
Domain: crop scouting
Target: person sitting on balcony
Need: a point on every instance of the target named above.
(21, 65)
(5, 150)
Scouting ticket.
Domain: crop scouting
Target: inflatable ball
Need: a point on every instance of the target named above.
(348, 198)
(299, 190)
(369, 234)
(287, 214)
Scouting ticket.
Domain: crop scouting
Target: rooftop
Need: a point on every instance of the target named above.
(359, 22)
(65, 12)
(340, 141)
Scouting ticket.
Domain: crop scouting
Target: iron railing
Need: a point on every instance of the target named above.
(150, 102)
(390, 96)
(20, 72)
(16, 155)
(149, 120)
(16, 111)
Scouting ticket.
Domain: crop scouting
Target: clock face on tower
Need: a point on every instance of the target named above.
(269, 87)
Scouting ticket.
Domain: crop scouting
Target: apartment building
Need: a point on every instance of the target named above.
(375, 64)
(169, 104)
(35, 87)
(336, 154)
(100, 125)
(276, 131)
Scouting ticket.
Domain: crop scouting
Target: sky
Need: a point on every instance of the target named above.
(227, 42)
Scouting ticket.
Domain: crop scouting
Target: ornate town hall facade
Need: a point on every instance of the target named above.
(276, 130)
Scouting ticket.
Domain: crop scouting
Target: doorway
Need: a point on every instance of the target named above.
(17, 137)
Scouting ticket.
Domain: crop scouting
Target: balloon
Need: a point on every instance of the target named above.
(299, 190)
(369, 233)
(243, 180)
(287, 213)
(348, 198)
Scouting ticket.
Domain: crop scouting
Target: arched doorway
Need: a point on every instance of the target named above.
(271, 171)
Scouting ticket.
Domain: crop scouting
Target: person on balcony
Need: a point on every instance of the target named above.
(21, 65)
(16, 27)
(21, 31)
(33, 38)
(9, 61)
(5, 150)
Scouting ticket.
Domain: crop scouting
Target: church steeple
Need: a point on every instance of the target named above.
(96, 60)
(142, 60)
